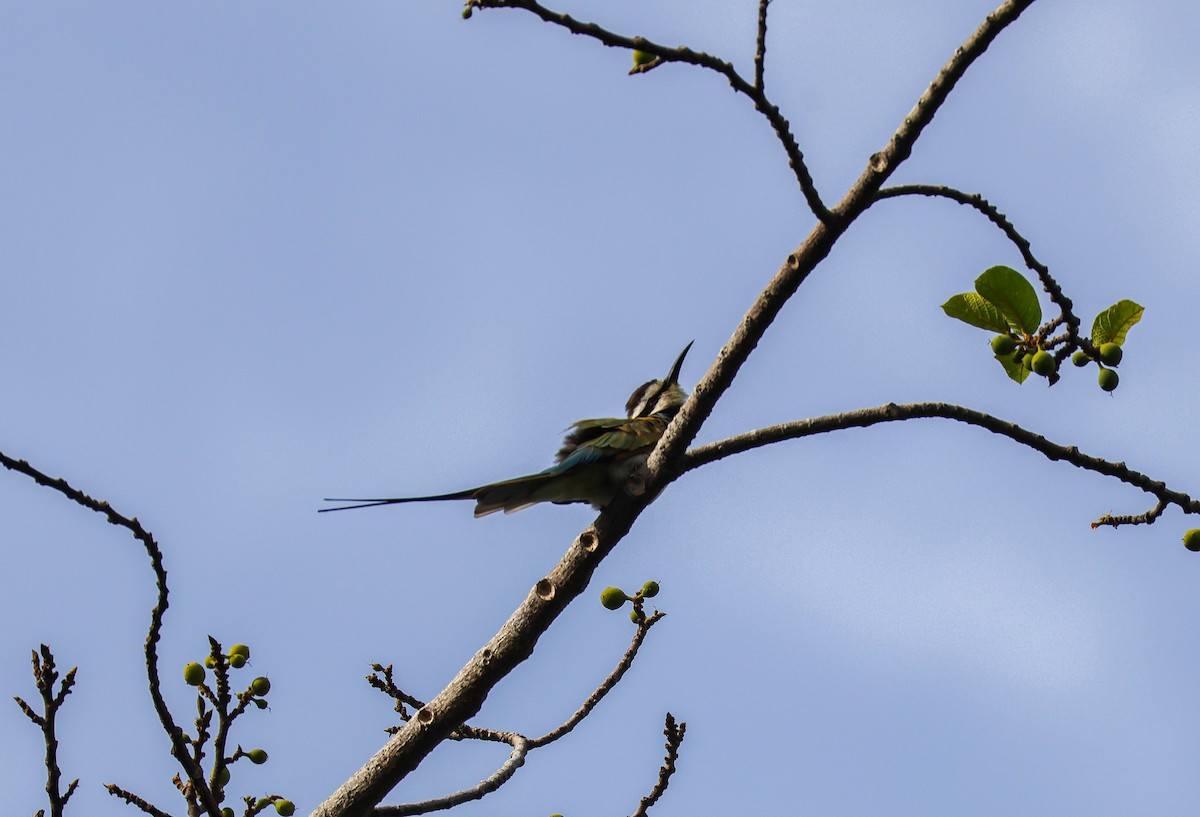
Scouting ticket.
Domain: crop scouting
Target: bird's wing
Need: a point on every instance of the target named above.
(605, 438)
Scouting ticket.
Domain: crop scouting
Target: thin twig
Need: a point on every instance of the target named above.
(605, 686)
(760, 47)
(674, 739)
(1146, 518)
(133, 800)
(501, 776)
(862, 418)
(179, 747)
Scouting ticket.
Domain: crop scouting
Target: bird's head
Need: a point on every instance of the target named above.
(659, 396)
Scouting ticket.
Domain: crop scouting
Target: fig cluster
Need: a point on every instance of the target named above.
(1108, 357)
(614, 598)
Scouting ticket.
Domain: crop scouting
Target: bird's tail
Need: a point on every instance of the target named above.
(371, 503)
(509, 496)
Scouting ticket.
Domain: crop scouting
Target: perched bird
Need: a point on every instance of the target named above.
(596, 460)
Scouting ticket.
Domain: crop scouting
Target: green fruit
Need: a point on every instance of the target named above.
(1003, 345)
(1108, 379)
(227, 812)
(285, 808)
(649, 589)
(237, 660)
(1027, 360)
(210, 662)
(223, 777)
(613, 597)
(466, 13)
(260, 686)
(193, 674)
(1191, 539)
(635, 616)
(260, 703)
(1110, 354)
(1043, 363)
(239, 649)
(642, 57)
(1081, 359)
(257, 756)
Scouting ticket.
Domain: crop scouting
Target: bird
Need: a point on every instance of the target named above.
(597, 458)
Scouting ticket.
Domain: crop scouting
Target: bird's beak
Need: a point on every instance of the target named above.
(673, 377)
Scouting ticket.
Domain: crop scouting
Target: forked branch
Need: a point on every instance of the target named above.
(754, 92)
(179, 746)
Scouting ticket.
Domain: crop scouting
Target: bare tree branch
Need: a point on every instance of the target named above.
(686, 55)
(892, 412)
(179, 747)
(674, 739)
(760, 50)
(133, 800)
(45, 676)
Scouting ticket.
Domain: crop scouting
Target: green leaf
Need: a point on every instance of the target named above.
(1014, 370)
(1013, 295)
(1111, 325)
(974, 309)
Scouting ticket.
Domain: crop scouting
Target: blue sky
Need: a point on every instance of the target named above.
(258, 254)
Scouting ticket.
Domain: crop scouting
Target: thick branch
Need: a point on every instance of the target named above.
(178, 744)
(863, 418)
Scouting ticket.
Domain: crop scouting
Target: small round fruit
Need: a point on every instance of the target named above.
(193, 674)
(227, 812)
(1003, 345)
(1027, 360)
(210, 662)
(223, 777)
(650, 589)
(1081, 359)
(260, 703)
(1043, 363)
(240, 649)
(260, 686)
(642, 57)
(1110, 354)
(1108, 379)
(257, 756)
(237, 661)
(466, 13)
(613, 597)
(1191, 540)
(285, 808)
